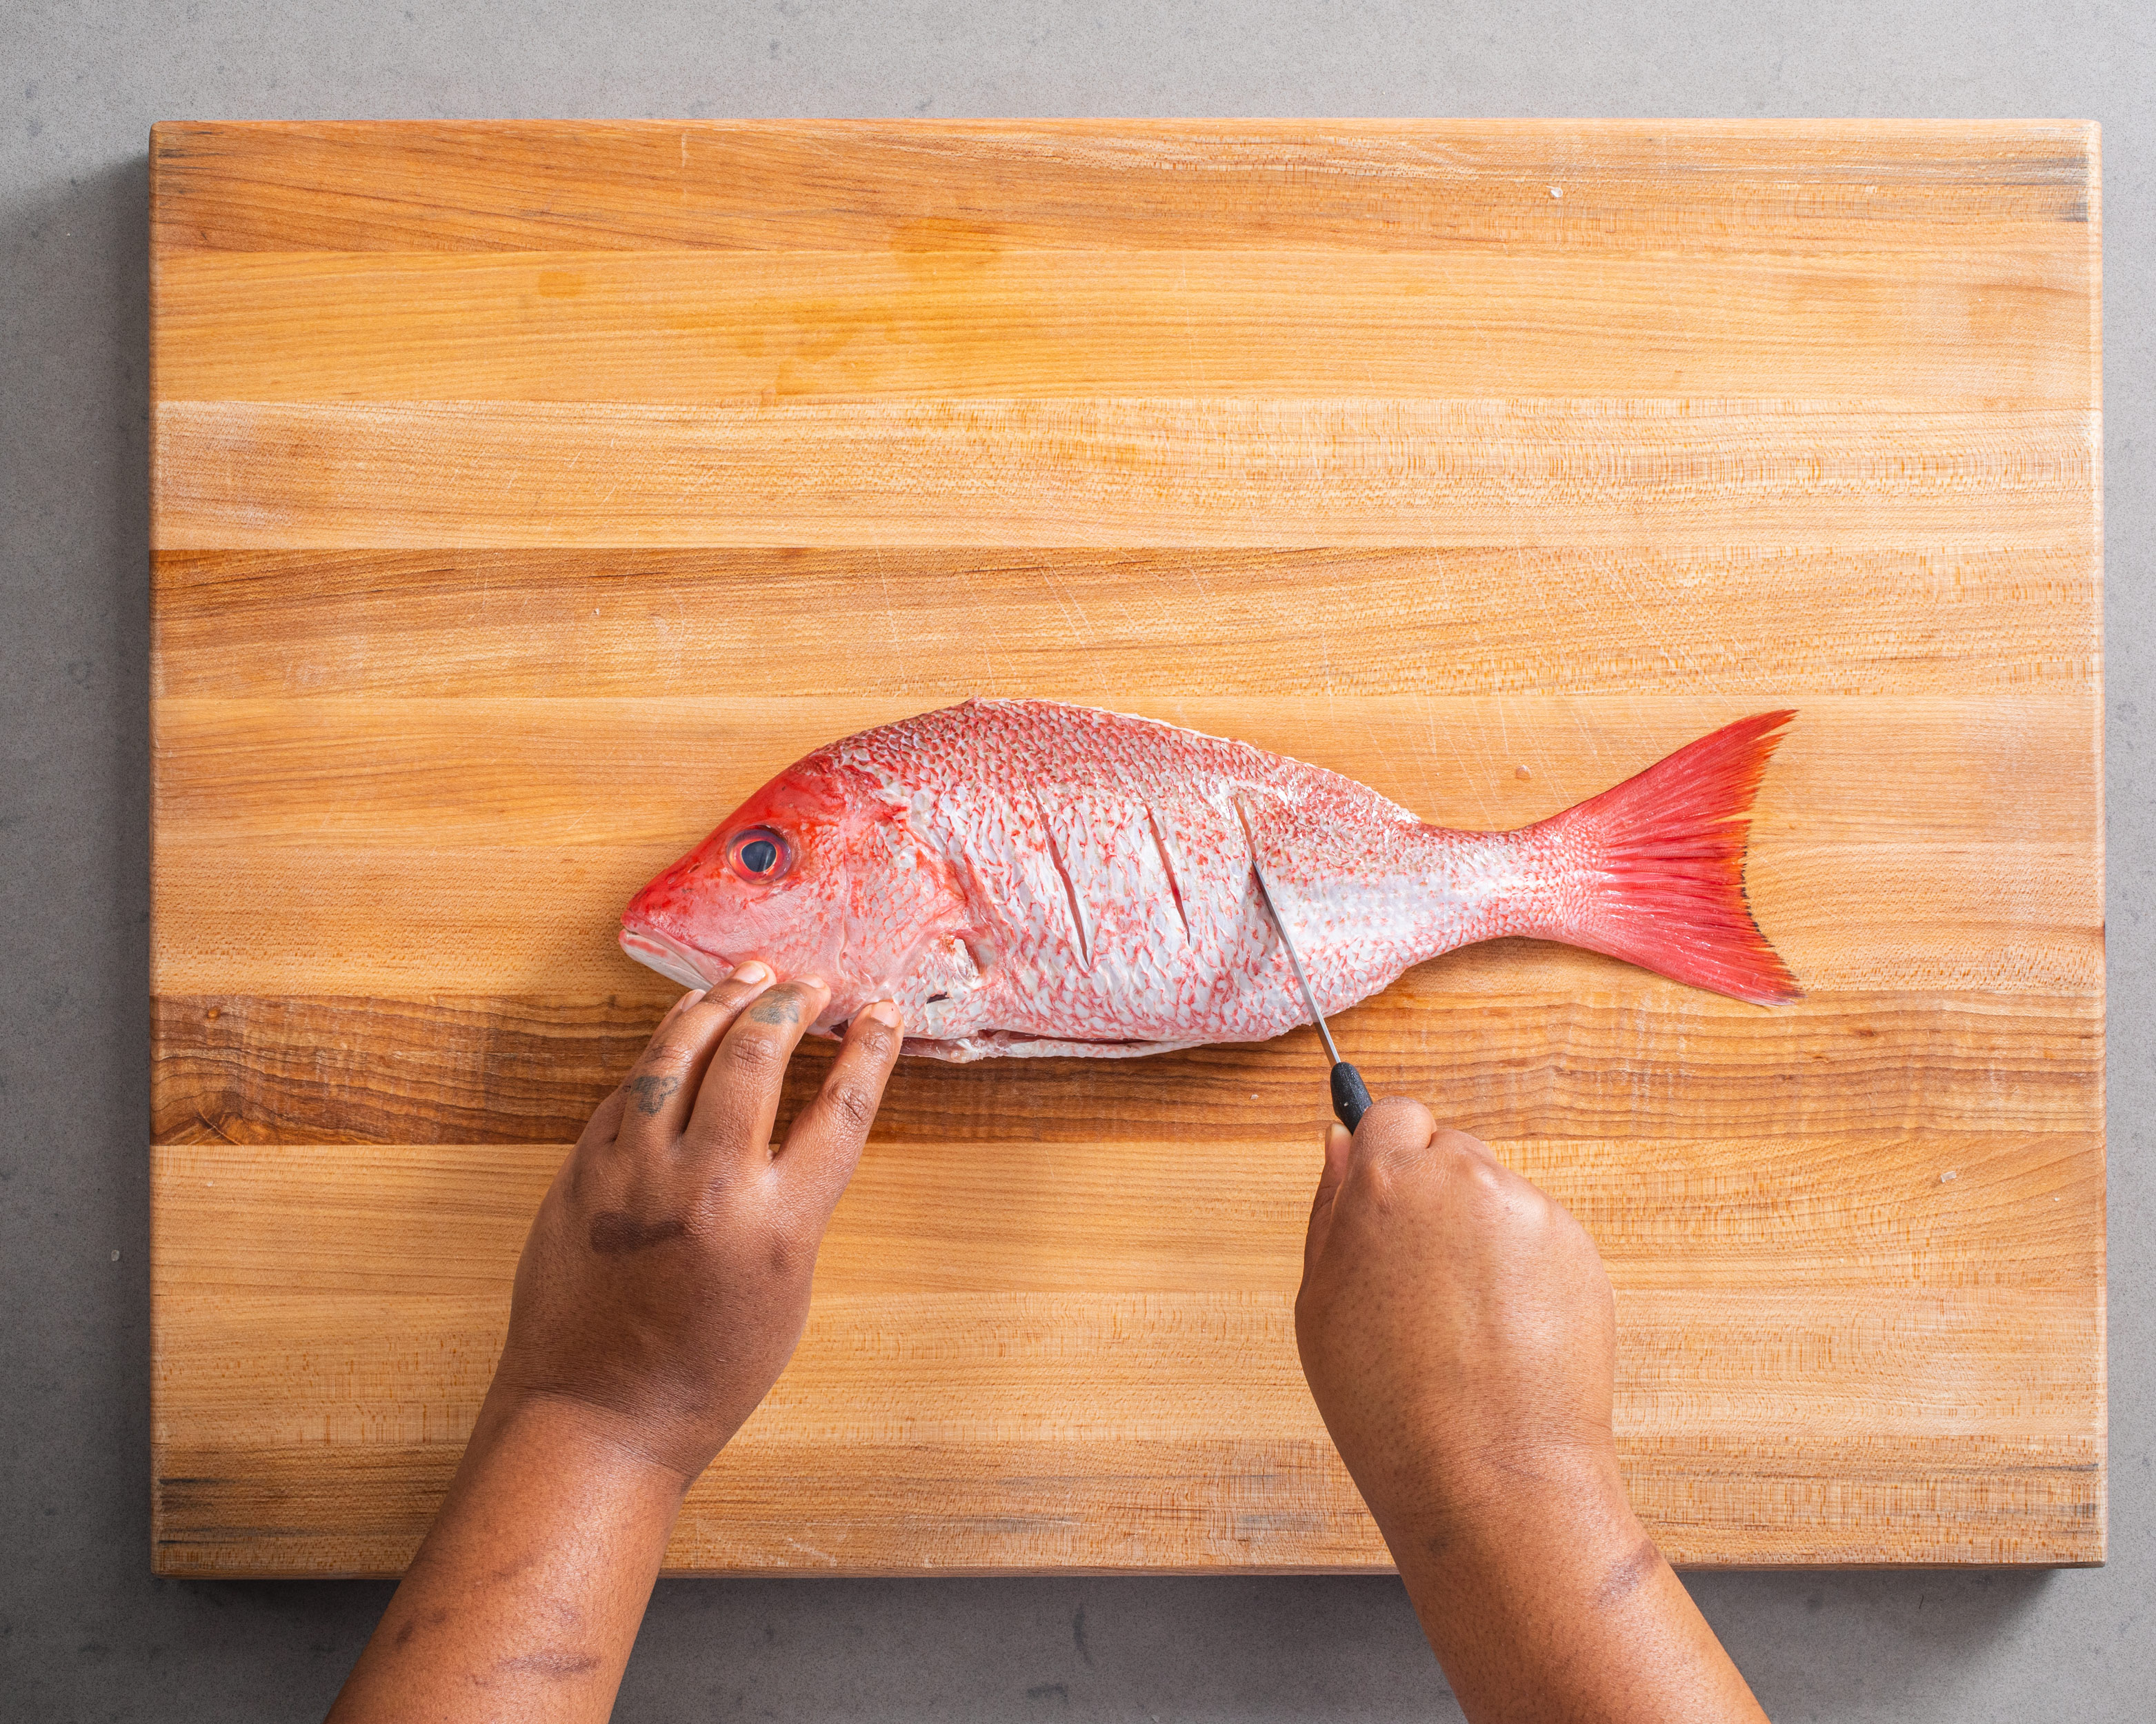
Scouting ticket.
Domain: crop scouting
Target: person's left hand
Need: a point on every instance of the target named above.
(666, 1278)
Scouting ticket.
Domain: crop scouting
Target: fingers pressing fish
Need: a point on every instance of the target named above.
(1026, 878)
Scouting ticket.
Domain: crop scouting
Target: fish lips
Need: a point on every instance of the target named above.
(671, 959)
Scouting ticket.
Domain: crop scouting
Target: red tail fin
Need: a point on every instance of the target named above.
(1669, 853)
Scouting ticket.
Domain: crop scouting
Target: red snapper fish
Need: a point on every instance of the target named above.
(1024, 877)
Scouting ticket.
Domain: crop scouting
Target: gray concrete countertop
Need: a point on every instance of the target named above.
(85, 1632)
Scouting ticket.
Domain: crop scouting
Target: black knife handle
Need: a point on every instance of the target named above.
(1350, 1097)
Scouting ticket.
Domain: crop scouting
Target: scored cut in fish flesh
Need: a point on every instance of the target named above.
(1025, 877)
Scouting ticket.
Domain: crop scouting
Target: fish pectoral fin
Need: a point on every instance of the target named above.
(948, 966)
(942, 990)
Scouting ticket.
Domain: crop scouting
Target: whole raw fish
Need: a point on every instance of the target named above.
(1029, 877)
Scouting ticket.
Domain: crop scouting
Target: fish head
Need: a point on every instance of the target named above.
(819, 873)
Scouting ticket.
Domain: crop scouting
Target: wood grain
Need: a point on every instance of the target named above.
(1465, 620)
(1548, 1044)
(310, 773)
(525, 494)
(1199, 1507)
(1921, 187)
(1115, 472)
(403, 846)
(938, 1208)
(716, 329)
(1025, 1298)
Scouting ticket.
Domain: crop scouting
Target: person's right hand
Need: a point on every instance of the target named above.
(1460, 1337)
(1457, 1330)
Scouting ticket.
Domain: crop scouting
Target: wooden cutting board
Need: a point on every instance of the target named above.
(525, 494)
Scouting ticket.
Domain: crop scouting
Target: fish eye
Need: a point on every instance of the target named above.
(759, 854)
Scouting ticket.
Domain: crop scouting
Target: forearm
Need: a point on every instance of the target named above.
(525, 1599)
(1561, 1607)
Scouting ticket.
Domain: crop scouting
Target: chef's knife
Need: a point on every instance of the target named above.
(1350, 1097)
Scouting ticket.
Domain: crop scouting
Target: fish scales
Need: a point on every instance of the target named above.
(1028, 877)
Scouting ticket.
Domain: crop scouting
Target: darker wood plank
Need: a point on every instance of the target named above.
(1710, 1501)
(945, 186)
(530, 1069)
(248, 1070)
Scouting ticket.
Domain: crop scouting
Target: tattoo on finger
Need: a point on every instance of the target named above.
(776, 1008)
(651, 1091)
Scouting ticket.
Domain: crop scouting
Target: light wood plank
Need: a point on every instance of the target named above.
(1927, 845)
(327, 1268)
(390, 917)
(1200, 472)
(981, 1206)
(1472, 620)
(1097, 1368)
(715, 329)
(577, 773)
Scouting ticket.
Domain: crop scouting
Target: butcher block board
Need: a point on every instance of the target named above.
(525, 494)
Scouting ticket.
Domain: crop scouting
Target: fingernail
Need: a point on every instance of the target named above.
(883, 1012)
(752, 972)
(817, 982)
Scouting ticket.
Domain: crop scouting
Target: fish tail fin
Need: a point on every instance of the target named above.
(1662, 855)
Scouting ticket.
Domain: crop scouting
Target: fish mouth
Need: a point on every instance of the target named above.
(672, 959)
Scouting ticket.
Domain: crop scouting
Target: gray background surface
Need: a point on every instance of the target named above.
(84, 1631)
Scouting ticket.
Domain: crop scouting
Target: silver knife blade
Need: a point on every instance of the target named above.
(1294, 963)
